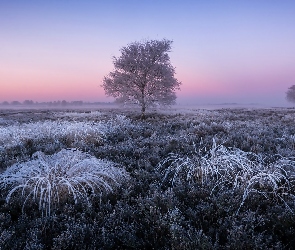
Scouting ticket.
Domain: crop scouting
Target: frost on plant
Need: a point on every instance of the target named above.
(233, 168)
(66, 175)
(92, 114)
(79, 133)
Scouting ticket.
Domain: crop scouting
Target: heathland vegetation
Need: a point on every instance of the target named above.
(107, 179)
(51, 104)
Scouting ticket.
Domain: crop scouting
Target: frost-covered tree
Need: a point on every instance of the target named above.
(290, 94)
(143, 75)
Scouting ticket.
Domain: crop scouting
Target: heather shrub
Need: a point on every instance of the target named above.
(20, 141)
(184, 192)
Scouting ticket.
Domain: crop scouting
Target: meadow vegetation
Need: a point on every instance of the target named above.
(206, 179)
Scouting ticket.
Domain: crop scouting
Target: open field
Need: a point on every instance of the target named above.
(102, 178)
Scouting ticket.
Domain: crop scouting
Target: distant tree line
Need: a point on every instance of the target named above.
(52, 103)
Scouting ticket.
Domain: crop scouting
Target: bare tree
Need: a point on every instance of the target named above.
(290, 94)
(143, 75)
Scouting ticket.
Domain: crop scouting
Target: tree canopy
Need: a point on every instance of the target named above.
(143, 75)
(290, 94)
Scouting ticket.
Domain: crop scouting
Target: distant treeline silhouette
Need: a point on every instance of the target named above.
(53, 103)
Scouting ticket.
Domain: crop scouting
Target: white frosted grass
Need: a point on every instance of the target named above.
(233, 168)
(78, 131)
(17, 134)
(78, 114)
(68, 174)
(217, 164)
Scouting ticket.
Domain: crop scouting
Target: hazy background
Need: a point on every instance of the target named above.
(223, 51)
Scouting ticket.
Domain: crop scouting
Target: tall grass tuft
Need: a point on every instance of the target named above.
(67, 175)
(233, 168)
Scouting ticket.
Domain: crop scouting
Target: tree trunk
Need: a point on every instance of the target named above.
(143, 111)
(142, 105)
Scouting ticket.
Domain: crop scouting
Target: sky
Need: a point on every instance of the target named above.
(223, 51)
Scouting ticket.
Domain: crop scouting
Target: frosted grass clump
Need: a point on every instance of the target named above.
(79, 131)
(78, 114)
(233, 168)
(66, 175)
(120, 122)
(218, 164)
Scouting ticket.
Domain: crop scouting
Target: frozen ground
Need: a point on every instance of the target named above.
(193, 178)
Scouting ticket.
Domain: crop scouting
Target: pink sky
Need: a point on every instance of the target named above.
(223, 52)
